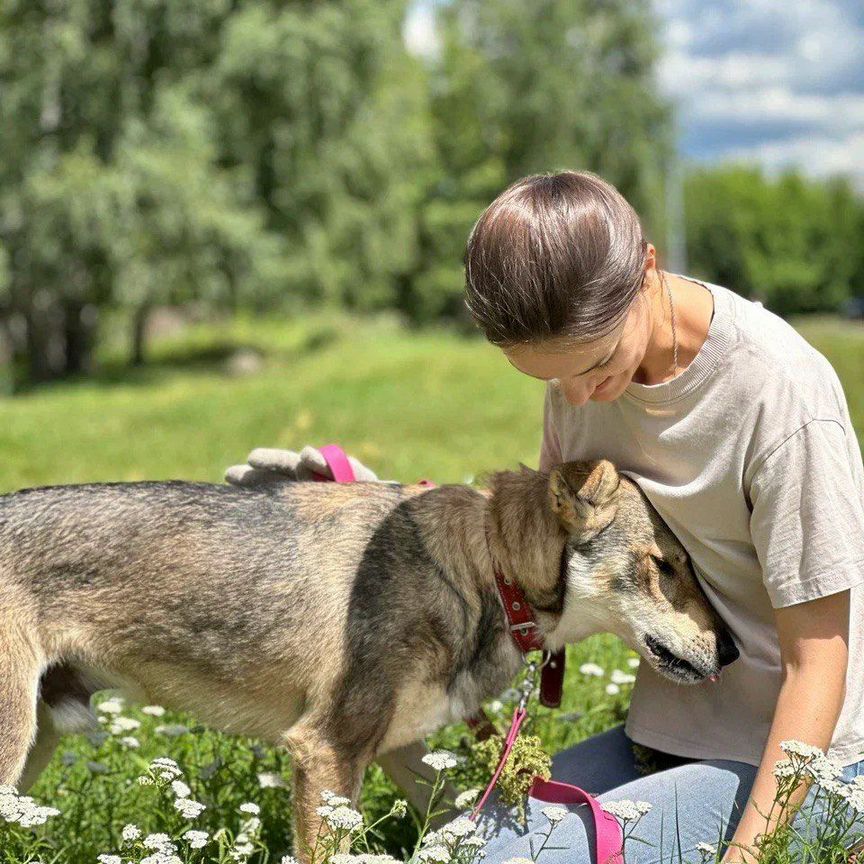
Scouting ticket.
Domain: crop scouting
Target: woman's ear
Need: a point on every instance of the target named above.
(584, 497)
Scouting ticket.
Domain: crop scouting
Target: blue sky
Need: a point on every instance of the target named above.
(771, 82)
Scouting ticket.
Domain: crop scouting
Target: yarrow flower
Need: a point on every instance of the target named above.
(612, 689)
(22, 809)
(268, 780)
(436, 854)
(399, 808)
(124, 724)
(249, 807)
(196, 839)
(341, 818)
(130, 832)
(114, 705)
(180, 789)
(706, 850)
(153, 710)
(466, 798)
(459, 828)
(554, 814)
(441, 760)
(165, 769)
(109, 859)
(627, 811)
(619, 677)
(592, 669)
(188, 808)
(799, 748)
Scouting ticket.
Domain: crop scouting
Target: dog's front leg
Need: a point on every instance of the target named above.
(318, 766)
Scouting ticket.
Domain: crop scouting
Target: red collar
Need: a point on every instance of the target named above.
(522, 621)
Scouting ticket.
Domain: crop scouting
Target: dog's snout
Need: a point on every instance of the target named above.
(727, 648)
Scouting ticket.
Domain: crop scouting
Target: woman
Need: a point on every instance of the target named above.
(739, 434)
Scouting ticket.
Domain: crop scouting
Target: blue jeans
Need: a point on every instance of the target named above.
(693, 802)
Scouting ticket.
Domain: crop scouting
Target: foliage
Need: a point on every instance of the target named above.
(793, 243)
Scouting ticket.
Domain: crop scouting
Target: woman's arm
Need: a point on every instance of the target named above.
(813, 647)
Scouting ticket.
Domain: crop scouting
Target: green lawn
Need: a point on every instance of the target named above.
(410, 404)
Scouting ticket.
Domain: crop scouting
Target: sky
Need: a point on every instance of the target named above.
(777, 83)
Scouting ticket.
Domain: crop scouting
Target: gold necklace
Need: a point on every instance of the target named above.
(674, 331)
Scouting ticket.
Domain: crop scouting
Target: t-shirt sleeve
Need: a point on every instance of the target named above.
(807, 518)
(550, 446)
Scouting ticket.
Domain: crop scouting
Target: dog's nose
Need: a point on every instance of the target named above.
(727, 648)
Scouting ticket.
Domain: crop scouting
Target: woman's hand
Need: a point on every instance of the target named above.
(266, 467)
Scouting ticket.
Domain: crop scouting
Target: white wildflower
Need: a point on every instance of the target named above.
(799, 748)
(436, 854)
(109, 859)
(784, 769)
(165, 768)
(130, 741)
(288, 859)
(474, 842)
(612, 689)
(188, 808)
(249, 807)
(180, 789)
(440, 760)
(627, 811)
(153, 710)
(592, 669)
(554, 814)
(145, 781)
(159, 842)
(457, 829)
(343, 818)
(113, 705)
(619, 677)
(519, 861)
(196, 839)
(824, 768)
(123, 724)
(268, 780)
(466, 798)
(399, 808)
(706, 850)
(633, 662)
(130, 832)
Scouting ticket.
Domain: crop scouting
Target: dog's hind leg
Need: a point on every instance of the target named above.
(318, 766)
(20, 669)
(47, 739)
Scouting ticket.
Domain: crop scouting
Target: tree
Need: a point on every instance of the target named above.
(791, 242)
(521, 88)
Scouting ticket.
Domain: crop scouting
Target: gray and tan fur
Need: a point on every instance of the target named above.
(342, 621)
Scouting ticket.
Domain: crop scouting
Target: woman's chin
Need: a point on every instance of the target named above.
(609, 390)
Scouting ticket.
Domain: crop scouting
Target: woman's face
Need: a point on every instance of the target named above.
(598, 370)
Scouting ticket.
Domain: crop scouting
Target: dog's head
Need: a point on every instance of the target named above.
(627, 573)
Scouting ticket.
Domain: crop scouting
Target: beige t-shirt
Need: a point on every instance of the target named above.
(750, 457)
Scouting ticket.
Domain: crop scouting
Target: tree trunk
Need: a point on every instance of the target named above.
(80, 331)
(139, 335)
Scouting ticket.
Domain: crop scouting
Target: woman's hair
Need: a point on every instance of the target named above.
(554, 258)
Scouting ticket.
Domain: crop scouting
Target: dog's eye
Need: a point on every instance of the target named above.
(664, 566)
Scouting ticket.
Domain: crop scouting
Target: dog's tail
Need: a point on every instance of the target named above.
(20, 669)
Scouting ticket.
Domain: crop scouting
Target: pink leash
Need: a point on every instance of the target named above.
(609, 837)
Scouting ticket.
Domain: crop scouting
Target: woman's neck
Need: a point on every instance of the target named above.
(694, 308)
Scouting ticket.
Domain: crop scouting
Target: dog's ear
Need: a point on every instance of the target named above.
(584, 497)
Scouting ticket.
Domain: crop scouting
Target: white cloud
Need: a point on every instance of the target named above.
(771, 81)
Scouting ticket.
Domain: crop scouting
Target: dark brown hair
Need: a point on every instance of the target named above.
(554, 258)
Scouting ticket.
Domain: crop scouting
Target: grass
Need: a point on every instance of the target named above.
(409, 404)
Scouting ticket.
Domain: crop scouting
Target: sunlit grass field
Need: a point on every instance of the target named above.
(409, 404)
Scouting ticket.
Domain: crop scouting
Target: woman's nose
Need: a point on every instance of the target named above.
(576, 392)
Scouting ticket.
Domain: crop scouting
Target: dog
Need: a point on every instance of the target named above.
(341, 621)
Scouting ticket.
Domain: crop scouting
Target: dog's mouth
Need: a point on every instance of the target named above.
(671, 665)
